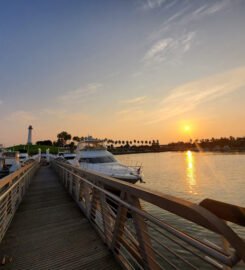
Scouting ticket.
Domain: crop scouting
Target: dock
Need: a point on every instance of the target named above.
(61, 217)
(50, 232)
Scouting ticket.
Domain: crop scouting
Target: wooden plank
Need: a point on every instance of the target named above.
(50, 232)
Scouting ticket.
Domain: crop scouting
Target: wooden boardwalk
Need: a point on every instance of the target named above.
(50, 232)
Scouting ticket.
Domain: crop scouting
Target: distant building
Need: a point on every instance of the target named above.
(29, 139)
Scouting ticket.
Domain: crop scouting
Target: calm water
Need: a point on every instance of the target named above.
(193, 176)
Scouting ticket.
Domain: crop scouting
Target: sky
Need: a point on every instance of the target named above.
(136, 69)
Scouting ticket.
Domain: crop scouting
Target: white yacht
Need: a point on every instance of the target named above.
(9, 162)
(92, 155)
(23, 157)
(67, 156)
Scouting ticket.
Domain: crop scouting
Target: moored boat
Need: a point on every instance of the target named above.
(9, 162)
(92, 155)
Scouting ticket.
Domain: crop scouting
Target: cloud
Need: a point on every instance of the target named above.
(184, 98)
(212, 8)
(158, 50)
(186, 14)
(1, 102)
(80, 94)
(134, 114)
(21, 116)
(169, 49)
(189, 96)
(137, 100)
(152, 4)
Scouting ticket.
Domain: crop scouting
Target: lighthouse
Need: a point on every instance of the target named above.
(29, 140)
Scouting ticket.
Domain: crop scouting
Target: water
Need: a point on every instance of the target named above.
(194, 177)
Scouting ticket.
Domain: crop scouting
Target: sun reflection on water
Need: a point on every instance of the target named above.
(190, 172)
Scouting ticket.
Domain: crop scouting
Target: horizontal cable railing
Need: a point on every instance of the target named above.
(179, 235)
(12, 190)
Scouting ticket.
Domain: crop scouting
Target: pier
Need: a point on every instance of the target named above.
(61, 217)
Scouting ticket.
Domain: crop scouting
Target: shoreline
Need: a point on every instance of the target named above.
(183, 150)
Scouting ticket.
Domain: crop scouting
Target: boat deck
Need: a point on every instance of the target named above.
(50, 232)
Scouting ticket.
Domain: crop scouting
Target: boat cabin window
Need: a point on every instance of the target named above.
(69, 157)
(106, 159)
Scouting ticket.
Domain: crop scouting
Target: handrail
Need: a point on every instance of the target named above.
(225, 211)
(7, 180)
(12, 190)
(111, 205)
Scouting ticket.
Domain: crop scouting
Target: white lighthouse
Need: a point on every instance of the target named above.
(29, 140)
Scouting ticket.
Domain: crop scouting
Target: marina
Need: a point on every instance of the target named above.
(122, 136)
(134, 235)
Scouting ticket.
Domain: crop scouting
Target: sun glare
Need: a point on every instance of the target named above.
(190, 172)
(187, 128)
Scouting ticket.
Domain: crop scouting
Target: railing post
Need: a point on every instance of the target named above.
(145, 246)
(94, 204)
(106, 220)
(69, 178)
(77, 189)
(119, 223)
(226, 246)
(87, 198)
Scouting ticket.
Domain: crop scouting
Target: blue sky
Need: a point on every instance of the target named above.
(122, 69)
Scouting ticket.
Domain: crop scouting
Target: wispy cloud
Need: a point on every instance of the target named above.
(211, 8)
(168, 49)
(151, 4)
(187, 14)
(21, 116)
(80, 94)
(187, 97)
(134, 114)
(137, 100)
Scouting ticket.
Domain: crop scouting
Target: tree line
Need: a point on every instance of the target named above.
(66, 139)
(213, 144)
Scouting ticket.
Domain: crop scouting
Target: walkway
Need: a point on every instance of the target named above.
(50, 232)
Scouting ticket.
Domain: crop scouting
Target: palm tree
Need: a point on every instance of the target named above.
(64, 137)
(76, 139)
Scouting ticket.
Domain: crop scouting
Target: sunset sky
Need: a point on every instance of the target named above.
(135, 69)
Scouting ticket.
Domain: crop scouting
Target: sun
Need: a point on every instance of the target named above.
(187, 128)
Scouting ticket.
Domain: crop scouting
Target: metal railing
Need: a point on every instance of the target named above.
(12, 190)
(178, 235)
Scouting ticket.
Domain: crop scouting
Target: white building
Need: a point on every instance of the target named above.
(29, 139)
